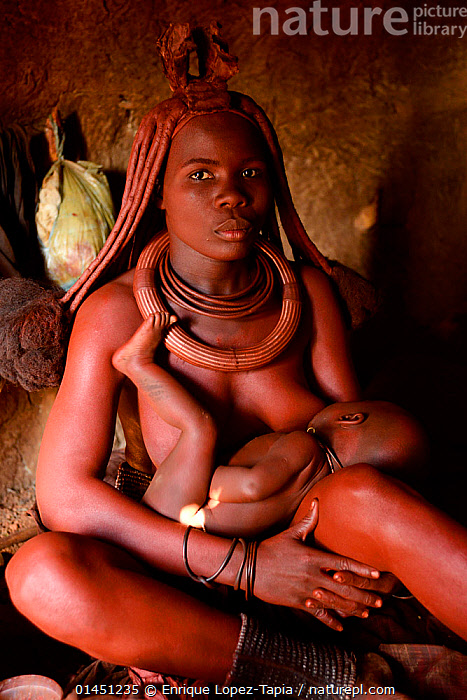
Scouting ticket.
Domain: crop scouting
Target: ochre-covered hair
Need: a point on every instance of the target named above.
(193, 96)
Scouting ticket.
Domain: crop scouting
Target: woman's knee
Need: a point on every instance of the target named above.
(358, 508)
(363, 480)
(37, 569)
(50, 572)
(359, 489)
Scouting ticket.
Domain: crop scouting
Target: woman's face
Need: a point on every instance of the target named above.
(217, 191)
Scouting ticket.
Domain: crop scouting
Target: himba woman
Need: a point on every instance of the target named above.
(258, 342)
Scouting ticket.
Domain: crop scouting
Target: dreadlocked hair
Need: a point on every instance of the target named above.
(148, 156)
(192, 96)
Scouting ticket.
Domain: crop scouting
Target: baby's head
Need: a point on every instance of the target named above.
(373, 432)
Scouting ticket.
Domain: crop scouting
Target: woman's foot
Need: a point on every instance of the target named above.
(142, 345)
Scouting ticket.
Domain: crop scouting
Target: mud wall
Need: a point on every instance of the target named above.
(22, 421)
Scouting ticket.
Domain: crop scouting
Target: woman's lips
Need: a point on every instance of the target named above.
(234, 229)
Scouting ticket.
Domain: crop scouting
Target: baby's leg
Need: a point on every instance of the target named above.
(376, 519)
(270, 491)
(265, 465)
(181, 483)
(135, 359)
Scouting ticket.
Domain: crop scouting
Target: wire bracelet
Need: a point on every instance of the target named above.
(248, 564)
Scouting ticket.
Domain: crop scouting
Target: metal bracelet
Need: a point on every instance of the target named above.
(205, 580)
(238, 578)
(252, 550)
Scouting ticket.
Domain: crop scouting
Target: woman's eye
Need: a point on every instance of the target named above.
(200, 175)
(251, 172)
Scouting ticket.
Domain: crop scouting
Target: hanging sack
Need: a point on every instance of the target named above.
(74, 215)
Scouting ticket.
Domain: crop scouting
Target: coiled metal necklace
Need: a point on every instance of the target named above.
(155, 257)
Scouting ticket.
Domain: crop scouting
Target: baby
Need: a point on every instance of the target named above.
(266, 484)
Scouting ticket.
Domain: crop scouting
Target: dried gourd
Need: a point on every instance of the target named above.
(74, 215)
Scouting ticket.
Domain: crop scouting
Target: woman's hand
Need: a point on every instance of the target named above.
(291, 573)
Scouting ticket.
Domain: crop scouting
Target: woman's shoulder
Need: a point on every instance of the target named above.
(312, 277)
(318, 287)
(110, 313)
(113, 297)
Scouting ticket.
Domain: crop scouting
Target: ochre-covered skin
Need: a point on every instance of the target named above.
(93, 581)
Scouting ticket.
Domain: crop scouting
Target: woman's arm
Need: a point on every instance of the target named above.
(71, 493)
(334, 375)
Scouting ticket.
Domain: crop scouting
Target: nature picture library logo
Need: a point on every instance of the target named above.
(425, 19)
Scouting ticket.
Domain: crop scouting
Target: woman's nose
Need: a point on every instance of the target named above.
(231, 194)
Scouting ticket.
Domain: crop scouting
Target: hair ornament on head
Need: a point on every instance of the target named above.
(208, 91)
